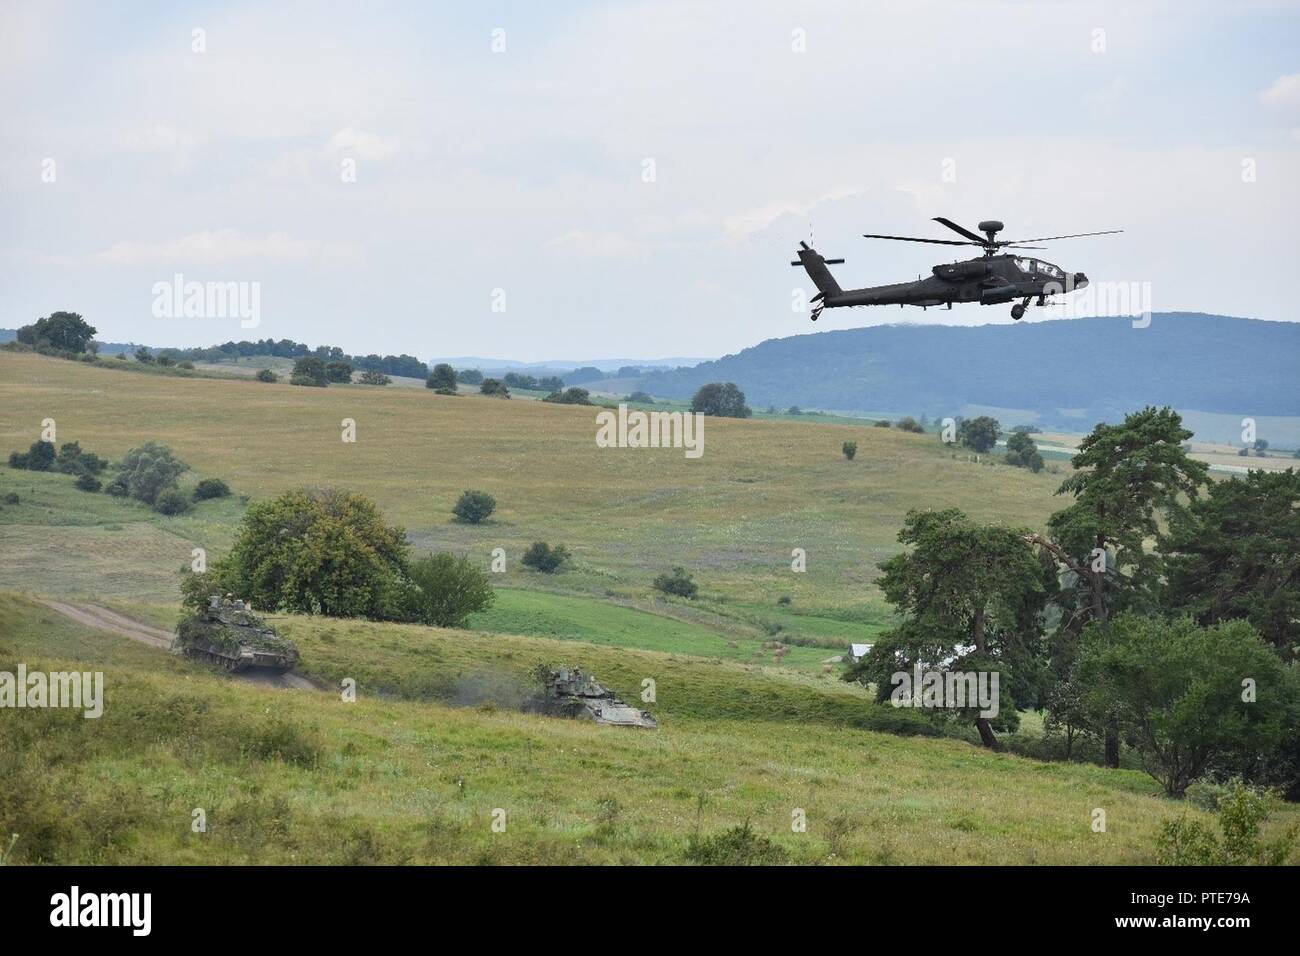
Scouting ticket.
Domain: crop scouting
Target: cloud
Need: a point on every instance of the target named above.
(221, 246)
(753, 221)
(362, 145)
(1285, 91)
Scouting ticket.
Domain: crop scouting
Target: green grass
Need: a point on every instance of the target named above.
(302, 777)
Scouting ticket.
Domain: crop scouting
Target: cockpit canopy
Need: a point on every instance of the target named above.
(1040, 267)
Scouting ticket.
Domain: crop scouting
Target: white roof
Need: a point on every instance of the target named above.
(857, 650)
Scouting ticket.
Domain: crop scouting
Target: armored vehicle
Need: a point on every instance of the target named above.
(571, 693)
(228, 634)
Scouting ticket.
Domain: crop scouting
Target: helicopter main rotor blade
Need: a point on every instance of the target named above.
(1075, 235)
(1008, 245)
(938, 242)
(961, 231)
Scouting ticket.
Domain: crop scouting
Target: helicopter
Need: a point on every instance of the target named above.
(989, 280)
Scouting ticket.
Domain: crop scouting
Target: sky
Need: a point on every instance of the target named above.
(583, 180)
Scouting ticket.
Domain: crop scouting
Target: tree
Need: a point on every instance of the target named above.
(1180, 692)
(551, 383)
(39, 457)
(172, 501)
(211, 488)
(909, 424)
(677, 582)
(442, 378)
(978, 434)
(570, 396)
(494, 388)
(542, 557)
(149, 470)
(1127, 477)
(66, 331)
(309, 371)
(723, 400)
(340, 372)
(318, 552)
(474, 507)
(850, 448)
(1022, 452)
(641, 398)
(470, 376)
(143, 355)
(445, 590)
(969, 597)
(266, 375)
(1235, 555)
(371, 377)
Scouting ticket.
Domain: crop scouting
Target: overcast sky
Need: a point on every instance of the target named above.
(628, 179)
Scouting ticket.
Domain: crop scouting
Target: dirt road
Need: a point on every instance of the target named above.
(101, 618)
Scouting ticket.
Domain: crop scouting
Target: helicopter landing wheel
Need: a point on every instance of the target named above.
(1018, 311)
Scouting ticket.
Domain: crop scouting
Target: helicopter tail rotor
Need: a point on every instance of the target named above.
(815, 265)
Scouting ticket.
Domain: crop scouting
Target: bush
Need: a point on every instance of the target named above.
(165, 361)
(40, 457)
(1022, 452)
(173, 501)
(494, 387)
(11, 498)
(211, 488)
(909, 424)
(543, 557)
(642, 398)
(340, 372)
(187, 365)
(88, 482)
(1186, 842)
(739, 846)
(117, 487)
(445, 590)
(474, 506)
(442, 378)
(309, 371)
(142, 354)
(372, 377)
(570, 396)
(266, 375)
(149, 470)
(73, 461)
(884, 423)
(850, 448)
(725, 400)
(677, 582)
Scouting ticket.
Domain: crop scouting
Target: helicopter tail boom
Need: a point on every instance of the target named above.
(815, 265)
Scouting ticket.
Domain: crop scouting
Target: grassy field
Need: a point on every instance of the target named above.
(733, 516)
(300, 776)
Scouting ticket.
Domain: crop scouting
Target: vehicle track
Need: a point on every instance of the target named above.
(102, 619)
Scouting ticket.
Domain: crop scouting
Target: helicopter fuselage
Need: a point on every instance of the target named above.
(988, 280)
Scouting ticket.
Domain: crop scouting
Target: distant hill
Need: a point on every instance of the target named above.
(1068, 373)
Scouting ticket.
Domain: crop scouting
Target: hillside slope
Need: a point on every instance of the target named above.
(1069, 373)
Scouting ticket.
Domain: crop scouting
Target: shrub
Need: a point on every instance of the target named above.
(142, 354)
(165, 361)
(640, 397)
(309, 371)
(445, 590)
(1186, 842)
(88, 482)
(211, 488)
(739, 846)
(372, 377)
(73, 461)
(266, 375)
(909, 424)
(11, 498)
(784, 600)
(474, 506)
(340, 372)
(570, 396)
(172, 501)
(543, 557)
(494, 387)
(850, 449)
(1022, 452)
(443, 377)
(677, 582)
(884, 423)
(725, 400)
(149, 470)
(40, 457)
(187, 365)
(117, 487)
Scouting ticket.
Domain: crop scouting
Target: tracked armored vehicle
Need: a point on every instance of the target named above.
(228, 634)
(571, 693)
